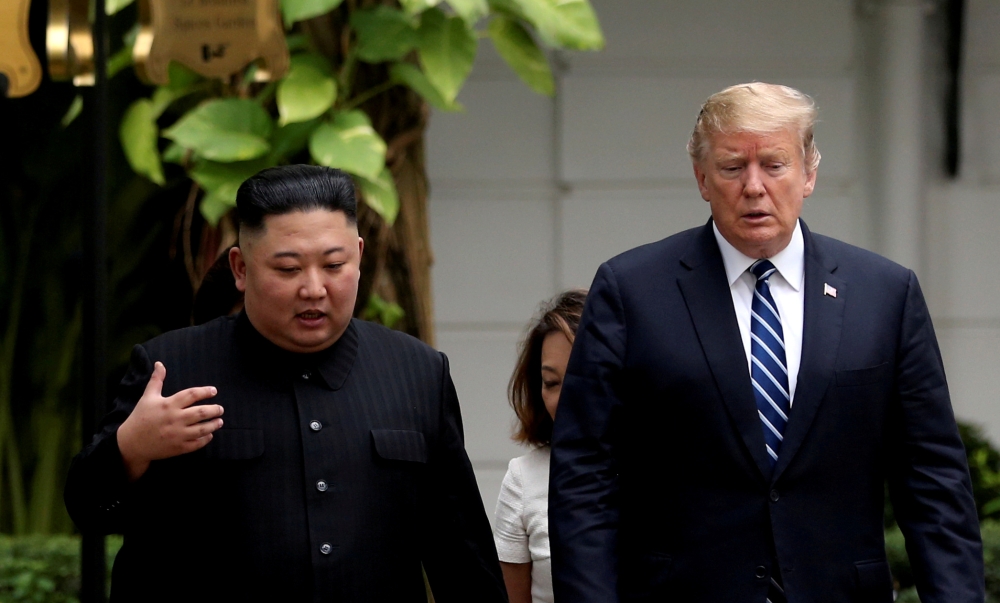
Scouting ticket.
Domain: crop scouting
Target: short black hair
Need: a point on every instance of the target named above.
(288, 188)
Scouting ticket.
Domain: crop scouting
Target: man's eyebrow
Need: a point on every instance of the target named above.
(296, 254)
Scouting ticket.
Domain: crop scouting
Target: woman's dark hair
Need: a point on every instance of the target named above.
(288, 188)
(560, 315)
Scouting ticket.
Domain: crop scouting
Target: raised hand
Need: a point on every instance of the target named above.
(160, 428)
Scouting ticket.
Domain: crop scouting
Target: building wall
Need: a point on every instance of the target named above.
(529, 194)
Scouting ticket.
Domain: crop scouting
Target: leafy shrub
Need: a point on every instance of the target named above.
(43, 569)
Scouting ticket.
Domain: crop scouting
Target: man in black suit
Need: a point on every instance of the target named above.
(338, 470)
(739, 394)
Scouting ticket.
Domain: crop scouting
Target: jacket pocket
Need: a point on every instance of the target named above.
(874, 581)
(235, 444)
(863, 376)
(400, 445)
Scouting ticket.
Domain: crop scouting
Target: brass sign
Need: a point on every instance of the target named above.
(22, 73)
(215, 38)
(69, 42)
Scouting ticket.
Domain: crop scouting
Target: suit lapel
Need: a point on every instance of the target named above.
(823, 317)
(710, 304)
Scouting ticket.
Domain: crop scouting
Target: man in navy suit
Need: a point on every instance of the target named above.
(739, 394)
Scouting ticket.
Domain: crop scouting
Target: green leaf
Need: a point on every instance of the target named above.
(311, 59)
(229, 129)
(119, 61)
(418, 6)
(139, 135)
(180, 76)
(113, 6)
(384, 34)
(221, 181)
(304, 93)
(380, 194)
(296, 42)
(174, 153)
(289, 140)
(75, 108)
(299, 10)
(447, 50)
(518, 48)
(568, 24)
(410, 75)
(385, 312)
(349, 143)
(470, 10)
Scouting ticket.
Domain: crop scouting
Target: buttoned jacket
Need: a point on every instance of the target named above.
(661, 488)
(337, 476)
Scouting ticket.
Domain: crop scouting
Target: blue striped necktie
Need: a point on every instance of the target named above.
(768, 371)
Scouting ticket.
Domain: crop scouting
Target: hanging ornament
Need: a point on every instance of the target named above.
(69, 42)
(215, 38)
(20, 71)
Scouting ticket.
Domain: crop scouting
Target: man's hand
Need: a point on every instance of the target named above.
(161, 427)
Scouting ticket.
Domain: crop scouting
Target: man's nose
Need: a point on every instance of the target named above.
(753, 186)
(313, 286)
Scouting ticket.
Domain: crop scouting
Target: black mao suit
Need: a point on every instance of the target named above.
(336, 476)
(661, 489)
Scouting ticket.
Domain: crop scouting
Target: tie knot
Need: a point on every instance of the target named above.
(762, 269)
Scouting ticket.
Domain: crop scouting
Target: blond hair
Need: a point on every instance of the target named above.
(757, 108)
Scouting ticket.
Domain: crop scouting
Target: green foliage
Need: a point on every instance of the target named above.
(381, 311)
(411, 76)
(518, 48)
(380, 194)
(230, 129)
(984, 468)
(139, 136)
(44, 568)
(384, 34)
(427, 46)
(447, 50)
(299, 10)
(349, 143)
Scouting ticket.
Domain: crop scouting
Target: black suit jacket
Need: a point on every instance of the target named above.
(660, 484)
(334, 477)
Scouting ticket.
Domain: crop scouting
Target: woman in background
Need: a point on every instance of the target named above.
(522, 526)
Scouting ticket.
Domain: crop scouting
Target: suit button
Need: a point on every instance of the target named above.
(306, 375)
(774, 496)
(325, 548)
(760, 572)
(321, 486)
(315, 425)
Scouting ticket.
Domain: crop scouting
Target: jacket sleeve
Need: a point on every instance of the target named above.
(583, 475)
(97, 488)
(458, 553)
(928, 475)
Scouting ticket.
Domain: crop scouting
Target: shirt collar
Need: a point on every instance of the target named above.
(790, 261)
(332, 365)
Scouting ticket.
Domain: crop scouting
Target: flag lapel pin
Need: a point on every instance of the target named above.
(828, 290)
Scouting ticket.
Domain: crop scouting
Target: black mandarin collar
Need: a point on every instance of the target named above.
(332, 364)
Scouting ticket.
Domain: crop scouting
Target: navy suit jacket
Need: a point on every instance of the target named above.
(660, 486)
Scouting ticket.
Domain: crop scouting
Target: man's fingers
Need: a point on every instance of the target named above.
(203, 412)
(187, 397)
(199, 430)
(155, 385)
(198, 443)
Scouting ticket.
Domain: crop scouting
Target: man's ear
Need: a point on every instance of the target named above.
(700, 176)
(810, 184)
(361, 247)
(238, 264)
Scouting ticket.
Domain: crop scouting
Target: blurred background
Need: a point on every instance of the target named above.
(519, 196)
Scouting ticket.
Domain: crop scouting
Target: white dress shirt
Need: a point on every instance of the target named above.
(787, 289)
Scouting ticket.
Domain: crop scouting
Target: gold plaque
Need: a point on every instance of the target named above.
(18, 62)
(69, 42)
(215, 38)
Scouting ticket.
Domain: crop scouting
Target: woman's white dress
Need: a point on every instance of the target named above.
(522, 519)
